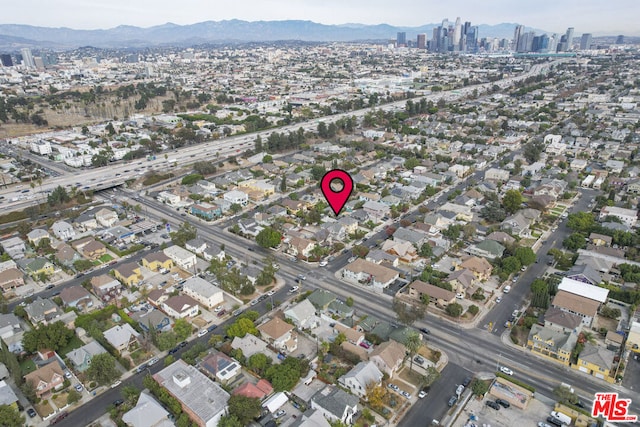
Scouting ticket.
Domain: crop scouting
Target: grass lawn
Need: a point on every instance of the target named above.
(139, 356)
(105, 258)
(27, 366)
(61, 400)
(44, 409)
(71, 345)
(96, 262)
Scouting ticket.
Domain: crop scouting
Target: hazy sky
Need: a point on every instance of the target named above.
(595, 16)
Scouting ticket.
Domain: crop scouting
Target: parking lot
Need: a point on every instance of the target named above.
(484, 415)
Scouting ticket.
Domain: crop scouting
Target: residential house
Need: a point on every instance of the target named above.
(181, 257)
(300, 247)
(480, 267)
(552, 343)
(105, 287)
(157, 261)
(486, 249)
(236, 197)
(8, 396)
(376, 210)
(321, 299)
(335, 404)
(152, 319)
(584, 307)
(197, 245)
(42, 311)
(279, 333)
(81, 357)
(6, 265)
(14, 247)
(77, 297)
(36, 235)
(66, 255)
(403, 250)
(63, 230)
(628, 217)
(493, 174)
(360, 378)
(388, 357)
(10, 279)
(353, 336)
(204, 292)
(584, 289)
(412, 236)
(340, 309)
(94, 249)
(600, 239)
(365, 272)
(168, 198)
(181, 306)
(249, 227)
(148, 412)
(441, 297)
(11, 332)
(461, 280)
(106, 217)
(121, 337)
(203, 400)
(128, 273)
(516, 224)
(597, 361)
(562, 320)
(311, 418)
(221, 367)
(584, 273)
(260, 390)
(250, 345)
(37, 266)
(157, 297)
(85, 222)
(303, 315)
(213, 250)
(378, 256)
(46, 378)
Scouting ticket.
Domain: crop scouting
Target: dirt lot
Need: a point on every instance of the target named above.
(485, 415)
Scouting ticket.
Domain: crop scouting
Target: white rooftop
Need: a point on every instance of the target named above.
(583, 289)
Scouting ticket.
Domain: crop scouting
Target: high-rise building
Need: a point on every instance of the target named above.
(401, 39)
(585, 41)
(421, 41)
(6, 60)
(517, 33)
(570, 38)
(27, 58)
(471, 39)
(620, 39)
(457, 34)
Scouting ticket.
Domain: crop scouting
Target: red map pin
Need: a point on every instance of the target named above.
(336, 199)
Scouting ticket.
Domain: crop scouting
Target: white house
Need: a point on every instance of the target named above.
(181, 257)
(63, 230)
(303, 315)
(236, 197)
(168, 198)
(106, 217)
(627, 216)
(278, 332)
(368, 273)
(361, 376)
(204, 292)
(181, 306)
(121, 336)
(41, 147)
(335, 404)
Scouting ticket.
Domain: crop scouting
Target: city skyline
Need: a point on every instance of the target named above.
(552, 17)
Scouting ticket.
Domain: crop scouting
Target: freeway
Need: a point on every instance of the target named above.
(117, 173)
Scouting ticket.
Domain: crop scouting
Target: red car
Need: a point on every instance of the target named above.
(222, 312)
(59, 418)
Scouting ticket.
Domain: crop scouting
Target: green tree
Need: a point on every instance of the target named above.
(54, 336)
(479, 387)
(426, 251)
(413, 344)
(192, 179)
(454, 309)
(241, 327)
(229, 421)
(73, 396)
(285, 375)
(244, 408)
(166, 340)
(408, 314)
(512, 201)
(511, 264)
(349, 301)
(574, 242)
(182, 329)
(539, 293)
(58, 196)
(269, 237)
(103, 369)
(473, 309)
(565, 395)
(10, 417)
(259, 363)
(581, 222)
(235, 208)
(526, 256)
(185, 232)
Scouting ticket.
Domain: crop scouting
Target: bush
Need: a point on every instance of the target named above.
(516, 382)
(473, 310)
(454, 310)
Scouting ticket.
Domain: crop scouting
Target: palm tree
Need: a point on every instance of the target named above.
(413, 344)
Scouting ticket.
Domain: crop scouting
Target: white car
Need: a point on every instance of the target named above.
(506, 289)
(293, 289)
(217, 309)
(498, 300)
(116, 384)
(152, 361)
(459, 295)
(422, 394)
(202, 332)
(323, 263)
(280, 413)
(271, 292)
(506, 370)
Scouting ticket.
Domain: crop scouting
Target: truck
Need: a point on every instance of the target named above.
(563, 418)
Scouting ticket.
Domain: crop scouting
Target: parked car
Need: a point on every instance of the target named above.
(424, 330)
(31, 412)
(118, 402)
(466, 381)
(503, 403)
(422, 394)
(49, 287)
(508, 288)
(405, 394)
(222, 313)
(174, 350)
(141, 368)
(59, 418)
(492, 404)
(418, 360)
(271, 292)
(203, 332)
(116, 384)
(280, 413)
(498, 300)
(294, 289)
(393, 387)
(541, 424)
(323, 263)
(182, 344)
(365, 344)
(152, 361)
(302, 277)
(67, 374)
(506, 370)
(212, 327)
(452, 401)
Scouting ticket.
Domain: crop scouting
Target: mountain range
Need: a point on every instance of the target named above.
(15, 36)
